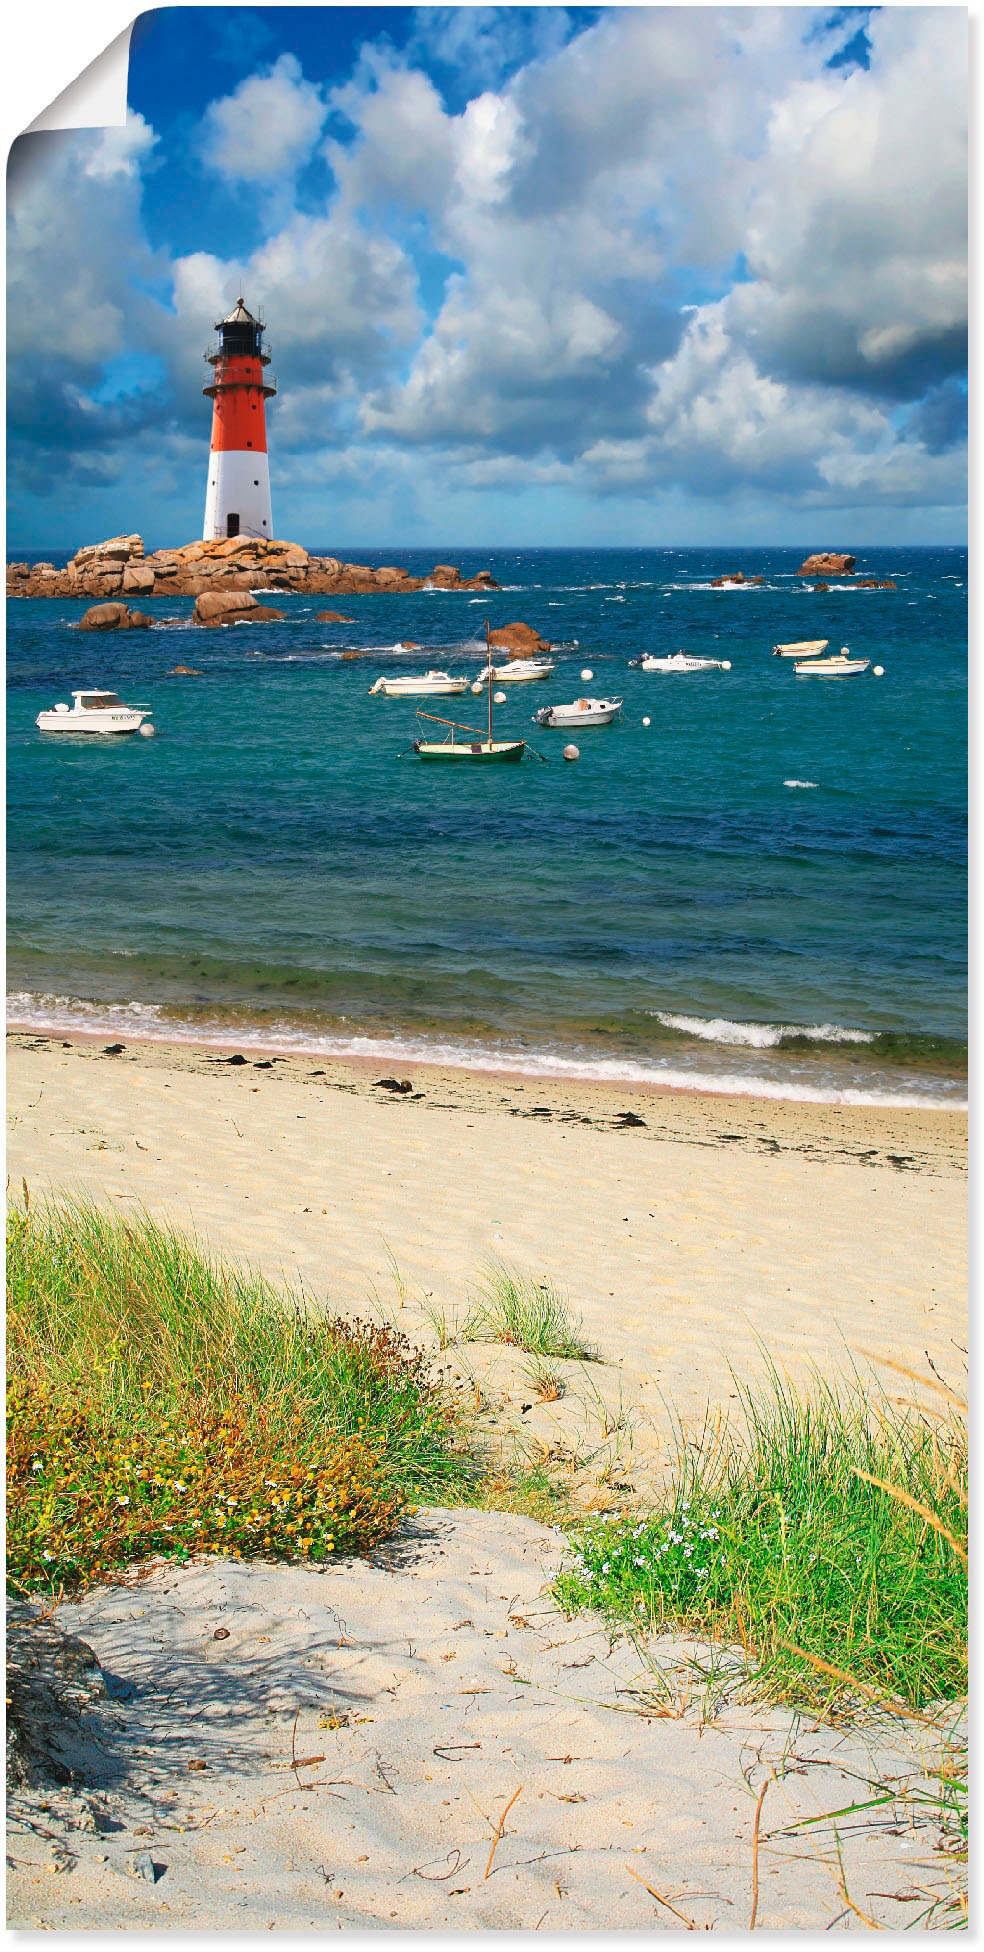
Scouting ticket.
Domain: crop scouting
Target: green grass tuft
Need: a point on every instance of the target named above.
(527, 1314)
(773, 1541)
(161, 1400)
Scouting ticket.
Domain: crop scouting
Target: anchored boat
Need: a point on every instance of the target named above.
(519, 671)
(93, 711)
(842, 666)
(433, 684)
(584, 711)
(475, 745)
(680, 661)
(810, 647)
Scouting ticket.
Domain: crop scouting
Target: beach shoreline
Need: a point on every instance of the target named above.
(698, 1239)
(89, 1022)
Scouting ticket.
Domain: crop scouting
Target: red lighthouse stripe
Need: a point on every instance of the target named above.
(239, 407)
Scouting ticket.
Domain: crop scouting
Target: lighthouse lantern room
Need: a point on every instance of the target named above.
(237, 500)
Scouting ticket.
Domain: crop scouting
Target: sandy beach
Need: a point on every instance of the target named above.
(335, 1748)
(293, 1746)
(695, 1243)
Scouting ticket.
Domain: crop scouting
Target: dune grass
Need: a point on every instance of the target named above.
(161, 1400)
(527, 1314)
(828, 1540)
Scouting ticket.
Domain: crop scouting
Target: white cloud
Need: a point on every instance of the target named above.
(267, 127)
(681, 255)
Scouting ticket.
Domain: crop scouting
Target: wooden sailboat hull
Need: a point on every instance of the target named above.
(481, 749)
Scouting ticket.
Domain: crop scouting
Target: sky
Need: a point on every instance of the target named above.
(547, 275)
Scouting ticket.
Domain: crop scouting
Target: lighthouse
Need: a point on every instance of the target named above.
(237, 499)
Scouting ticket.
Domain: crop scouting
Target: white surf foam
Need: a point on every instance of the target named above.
(760, 1036)
(800, 782)
(150, 1022)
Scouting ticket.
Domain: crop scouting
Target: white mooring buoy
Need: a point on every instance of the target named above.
(147, 731)
(571, 752)
(878, 670)
(586, 677)
(500, 697)
(647, 721)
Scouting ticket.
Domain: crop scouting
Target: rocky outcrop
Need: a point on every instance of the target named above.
(114, 616)
(873, 583)
(520, 640)
(121, 567)
(827, 564)
(722, 582)
(332, 617)
(214, 608)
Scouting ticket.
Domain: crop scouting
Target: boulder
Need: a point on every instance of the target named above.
(118, 549)
(139, 576)
(332, 617)
(185, 671)
(818, 588)
(737, 576)
(873, 583)
(113, 616)
(217, 607)
(520, 640)
(825, 563)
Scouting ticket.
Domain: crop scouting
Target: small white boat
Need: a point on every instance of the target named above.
(584, 711)
(519, 671)
(842, 666)
(682, 662)
(433, 684)
(810, 647)
(93, 711)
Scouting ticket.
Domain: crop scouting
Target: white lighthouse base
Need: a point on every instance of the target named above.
(237, 500)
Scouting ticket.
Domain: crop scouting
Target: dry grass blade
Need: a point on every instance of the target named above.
(915, 1376)
(905, 1498)
(873, 1694)
(499, 1829)
(755, 1849)
(660, 1900)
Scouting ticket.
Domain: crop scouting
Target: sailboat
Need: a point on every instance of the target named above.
(475, 744)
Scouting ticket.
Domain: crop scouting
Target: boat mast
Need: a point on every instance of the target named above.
(488, 647)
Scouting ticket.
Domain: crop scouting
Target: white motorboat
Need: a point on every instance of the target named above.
(680, 661)
(93, 711)
(810, 647)
(842, 666)
(519, 671)
(433, 684)
(584, 711)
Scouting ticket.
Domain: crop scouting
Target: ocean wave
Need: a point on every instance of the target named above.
(800, 782)
(150, 1022)
(760, 1036)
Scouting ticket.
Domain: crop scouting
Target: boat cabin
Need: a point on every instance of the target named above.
(96, 701)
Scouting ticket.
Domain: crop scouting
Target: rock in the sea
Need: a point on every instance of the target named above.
(214, 607)
(332, 617)
(185, 671)
(114, 616)
(119, 566)
(738, 576)
(826, 563)
(874, 583)
(520, 640)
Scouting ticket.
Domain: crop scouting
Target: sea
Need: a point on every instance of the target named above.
(749, 883)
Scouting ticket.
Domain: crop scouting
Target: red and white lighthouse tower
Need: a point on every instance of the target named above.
(237, 500)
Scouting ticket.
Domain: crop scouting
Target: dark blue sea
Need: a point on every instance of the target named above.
(763, 889)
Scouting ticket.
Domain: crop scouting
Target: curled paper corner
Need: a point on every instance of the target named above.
(96, 99)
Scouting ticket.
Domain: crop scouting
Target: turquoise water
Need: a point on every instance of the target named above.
(274, 867)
